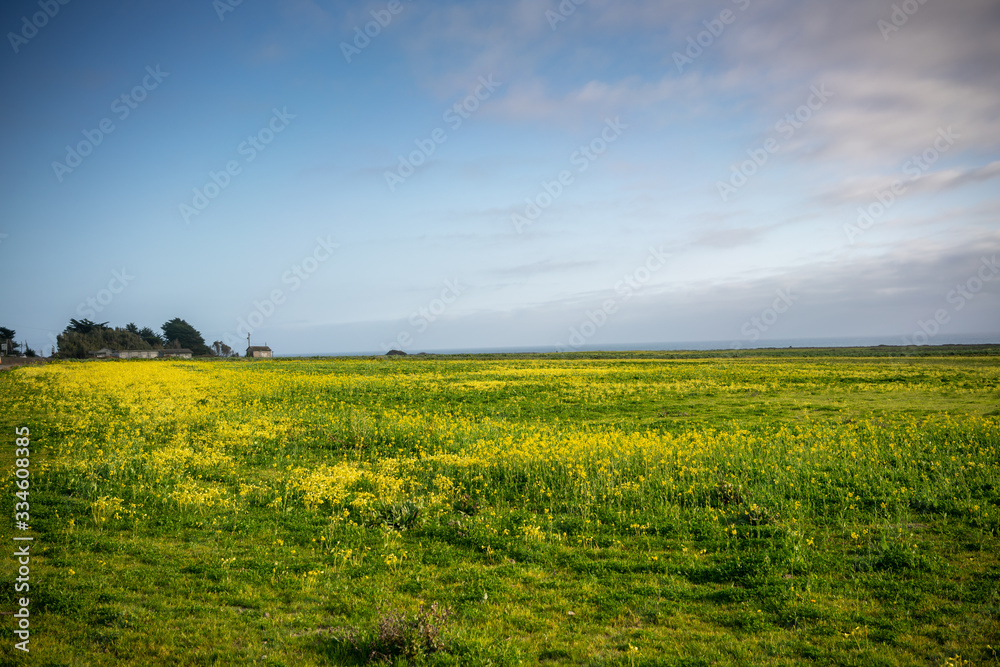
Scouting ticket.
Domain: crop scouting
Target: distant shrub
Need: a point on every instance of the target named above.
(398, 635)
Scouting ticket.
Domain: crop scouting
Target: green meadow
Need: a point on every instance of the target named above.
(765, 507)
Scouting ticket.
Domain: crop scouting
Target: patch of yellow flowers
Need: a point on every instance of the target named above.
(323, 436)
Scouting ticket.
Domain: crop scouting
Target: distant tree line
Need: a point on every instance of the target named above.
(82, 337)
(7, 337)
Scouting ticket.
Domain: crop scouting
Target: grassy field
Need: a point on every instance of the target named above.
(620, 509)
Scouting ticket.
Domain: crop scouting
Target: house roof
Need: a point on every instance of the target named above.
(179, 351)
(258, 348)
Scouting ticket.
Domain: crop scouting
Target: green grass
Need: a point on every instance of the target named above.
(775, 531)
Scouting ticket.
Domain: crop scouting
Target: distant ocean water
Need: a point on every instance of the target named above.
(863, 341)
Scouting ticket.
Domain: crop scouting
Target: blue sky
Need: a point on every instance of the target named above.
(476, 174)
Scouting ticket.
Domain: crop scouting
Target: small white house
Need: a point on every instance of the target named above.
(259, 351)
